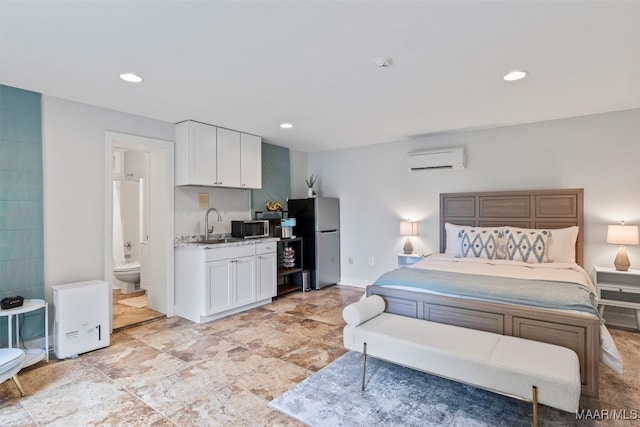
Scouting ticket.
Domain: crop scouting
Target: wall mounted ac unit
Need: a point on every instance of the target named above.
(440, 158)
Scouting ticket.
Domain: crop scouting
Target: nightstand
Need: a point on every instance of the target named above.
(408, 259)
(618, 288)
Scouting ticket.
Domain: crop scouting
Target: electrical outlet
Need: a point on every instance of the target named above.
(350, 260)
(371, 261)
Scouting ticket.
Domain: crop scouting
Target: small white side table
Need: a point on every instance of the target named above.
(618, 288)
(408, 259)
(32, 355)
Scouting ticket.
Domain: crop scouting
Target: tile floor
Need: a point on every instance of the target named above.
(174, 372)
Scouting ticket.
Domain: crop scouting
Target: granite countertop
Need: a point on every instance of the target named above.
(225, 241)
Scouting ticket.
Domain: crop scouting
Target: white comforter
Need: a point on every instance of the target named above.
(565, 272)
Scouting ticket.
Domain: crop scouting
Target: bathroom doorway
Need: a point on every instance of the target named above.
(130, 239)
(139, 228)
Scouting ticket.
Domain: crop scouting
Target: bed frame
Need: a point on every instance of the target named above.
(528, 209)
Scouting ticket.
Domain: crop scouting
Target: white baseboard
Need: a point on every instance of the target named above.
(355, 283)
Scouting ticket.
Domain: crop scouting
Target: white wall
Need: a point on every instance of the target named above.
(233, 204)
(73, 145)
(299, 172)
(599, 153)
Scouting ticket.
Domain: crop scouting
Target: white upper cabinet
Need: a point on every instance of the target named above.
(250, 161)
(228, 158)
(210, 156)
(195, 154)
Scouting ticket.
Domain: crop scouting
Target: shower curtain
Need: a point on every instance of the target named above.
(118, 241)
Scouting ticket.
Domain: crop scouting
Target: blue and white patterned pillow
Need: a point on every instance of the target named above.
(527, 245)
(480, 243)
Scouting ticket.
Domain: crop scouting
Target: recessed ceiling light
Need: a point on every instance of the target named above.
(286, 125)
(131, 78)
(515, 75)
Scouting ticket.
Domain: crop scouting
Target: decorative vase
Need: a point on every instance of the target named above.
(310, 192)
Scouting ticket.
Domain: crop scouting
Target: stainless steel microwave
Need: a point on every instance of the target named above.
(250, 229)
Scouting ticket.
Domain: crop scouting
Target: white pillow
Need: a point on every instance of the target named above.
(526, 245)
(451, 232)
(359, 312)
(562, 244)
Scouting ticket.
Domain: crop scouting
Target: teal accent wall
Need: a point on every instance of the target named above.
(21, 205)
(276, 178)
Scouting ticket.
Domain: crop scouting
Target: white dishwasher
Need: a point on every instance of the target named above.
(81, 317)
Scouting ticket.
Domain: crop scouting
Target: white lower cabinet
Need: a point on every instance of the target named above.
(218, 288)
(266, 270)
(244, 280)
(213, 283)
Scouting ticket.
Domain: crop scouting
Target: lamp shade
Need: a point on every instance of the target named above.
(408, 228)
(622, 234)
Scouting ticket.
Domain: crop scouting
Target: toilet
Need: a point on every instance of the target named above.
(130, 275)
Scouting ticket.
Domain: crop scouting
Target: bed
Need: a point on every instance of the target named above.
(542, 293)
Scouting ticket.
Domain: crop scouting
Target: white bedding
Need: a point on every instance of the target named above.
(566, 272)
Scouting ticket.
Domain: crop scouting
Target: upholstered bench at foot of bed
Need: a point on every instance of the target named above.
(502, 364)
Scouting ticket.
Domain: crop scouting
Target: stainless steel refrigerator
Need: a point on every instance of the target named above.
(318, 223)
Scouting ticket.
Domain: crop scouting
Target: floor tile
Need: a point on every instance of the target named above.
(230, 406)
(314, 356)
(14, 414)
(175, 372)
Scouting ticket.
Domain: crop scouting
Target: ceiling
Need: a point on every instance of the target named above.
(253, 65)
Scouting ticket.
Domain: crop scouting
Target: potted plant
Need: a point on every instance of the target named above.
(311, 181)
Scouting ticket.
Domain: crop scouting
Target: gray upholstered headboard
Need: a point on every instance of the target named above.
(526, 209)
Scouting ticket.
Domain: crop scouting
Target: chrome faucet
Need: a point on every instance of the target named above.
(206, 222)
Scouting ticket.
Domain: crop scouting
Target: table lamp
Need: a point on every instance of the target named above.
(408, 228)
(622, 235)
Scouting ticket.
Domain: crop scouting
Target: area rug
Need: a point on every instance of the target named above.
(398, 396)
(135, 302)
